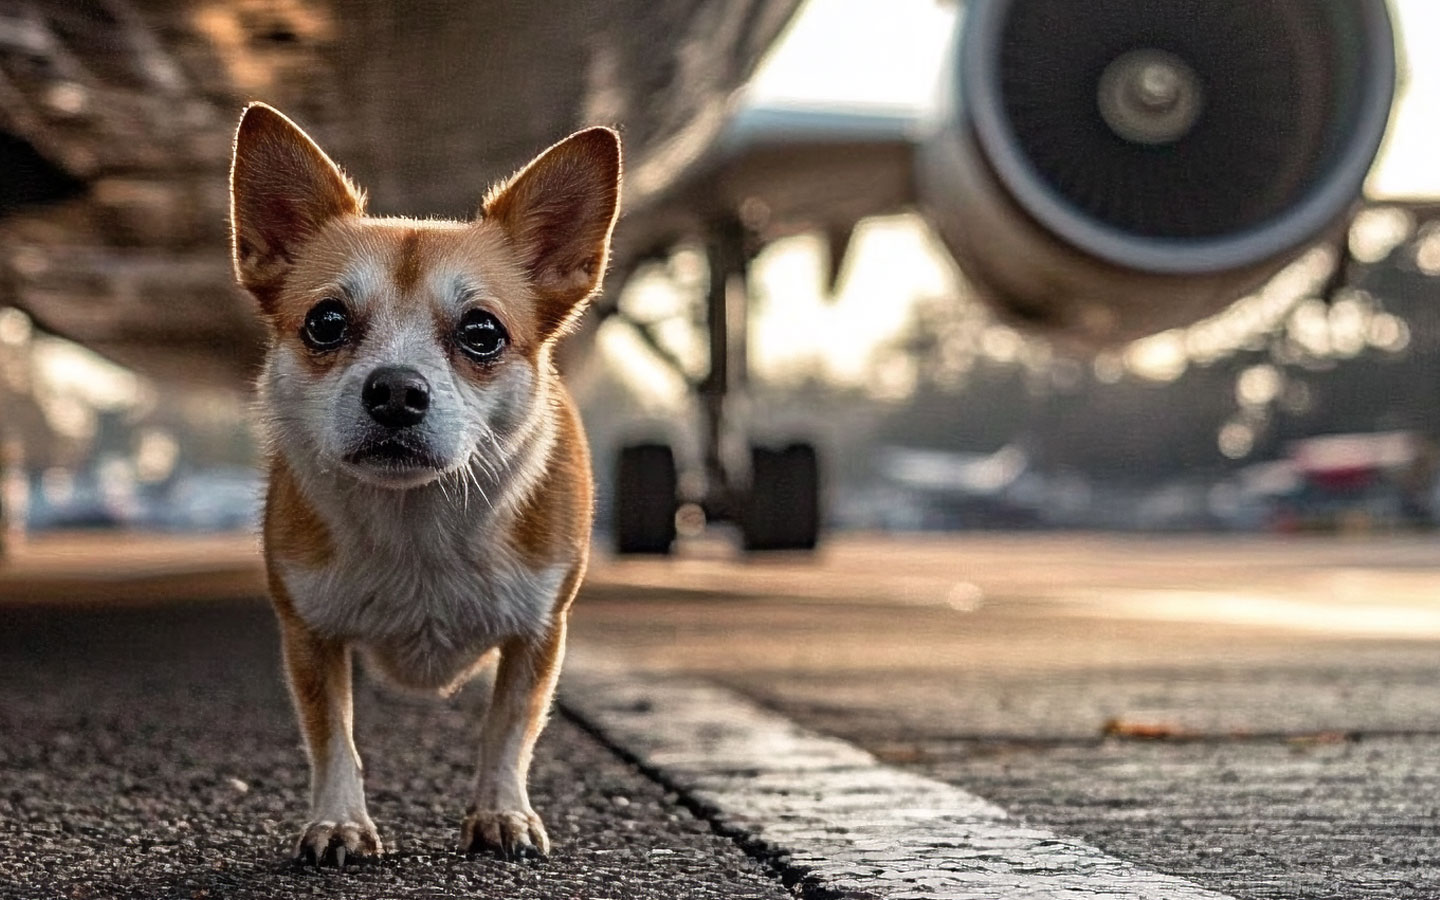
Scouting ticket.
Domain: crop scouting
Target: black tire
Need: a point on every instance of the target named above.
(645, 501)
(783, 509)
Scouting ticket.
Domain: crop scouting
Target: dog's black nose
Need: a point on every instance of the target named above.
(396, 396)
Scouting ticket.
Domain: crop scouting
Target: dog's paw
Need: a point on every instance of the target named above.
(330, 843)
(512, 833)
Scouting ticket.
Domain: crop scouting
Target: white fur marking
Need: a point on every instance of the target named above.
(338, 794)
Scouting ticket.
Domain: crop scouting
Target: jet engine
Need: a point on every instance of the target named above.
(1110, 168)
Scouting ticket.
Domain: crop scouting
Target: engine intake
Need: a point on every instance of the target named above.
(1118, 166)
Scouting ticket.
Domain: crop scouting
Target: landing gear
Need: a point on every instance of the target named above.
(783, 508)
(776, 504)
(645, 499)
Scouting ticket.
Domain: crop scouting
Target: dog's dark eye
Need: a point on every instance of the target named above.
(481, 335)
(326, 326)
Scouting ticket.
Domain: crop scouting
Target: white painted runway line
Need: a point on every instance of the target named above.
(831, 816)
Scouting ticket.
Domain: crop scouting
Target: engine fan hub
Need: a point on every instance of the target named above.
(1150, 97)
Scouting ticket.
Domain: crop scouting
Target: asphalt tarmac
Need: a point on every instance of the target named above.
(150, 752)
(1260, 716)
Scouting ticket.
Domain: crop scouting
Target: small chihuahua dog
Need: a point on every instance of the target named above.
(429, 495)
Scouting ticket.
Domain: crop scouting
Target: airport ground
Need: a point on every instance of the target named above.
(1257, 716)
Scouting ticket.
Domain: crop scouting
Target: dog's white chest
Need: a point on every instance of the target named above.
(424, 605)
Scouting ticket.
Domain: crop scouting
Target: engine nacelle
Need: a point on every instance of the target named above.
(1110, 168)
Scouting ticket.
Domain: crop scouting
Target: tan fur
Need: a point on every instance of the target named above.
(556, 517)
(408, 247)
(318, 670)
(293, 531)
(538, 251)
(407, 269)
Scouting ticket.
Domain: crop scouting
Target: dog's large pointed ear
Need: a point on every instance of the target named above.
(558, 213)
(283, 188)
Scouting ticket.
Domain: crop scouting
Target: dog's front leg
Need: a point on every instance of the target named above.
(500, 817)
(319, 670)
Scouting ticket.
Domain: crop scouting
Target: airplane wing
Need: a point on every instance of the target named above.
(778, 171)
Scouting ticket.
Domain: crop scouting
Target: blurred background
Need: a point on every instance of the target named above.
(1095, 345)
(786, 315)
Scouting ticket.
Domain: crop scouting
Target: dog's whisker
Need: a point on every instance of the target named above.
(474, 477)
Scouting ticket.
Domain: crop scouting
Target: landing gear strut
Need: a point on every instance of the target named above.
(774, 496)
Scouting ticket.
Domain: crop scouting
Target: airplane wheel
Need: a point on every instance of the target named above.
(645, 487)
(783, 512)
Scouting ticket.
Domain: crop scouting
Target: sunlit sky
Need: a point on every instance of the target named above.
(890, 54)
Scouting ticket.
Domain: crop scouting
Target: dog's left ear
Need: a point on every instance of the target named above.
(558, 213)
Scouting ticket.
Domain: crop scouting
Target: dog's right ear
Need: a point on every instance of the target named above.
(283, 188)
